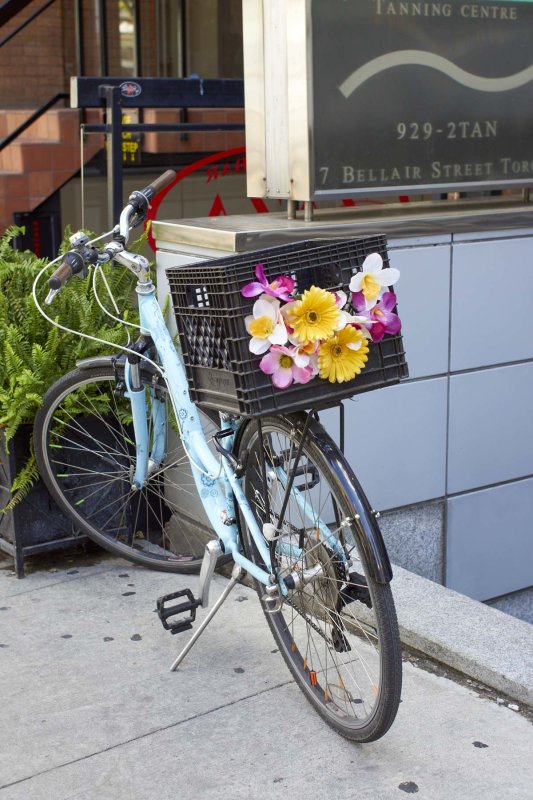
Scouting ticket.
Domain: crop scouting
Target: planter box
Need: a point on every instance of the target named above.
(36, 524)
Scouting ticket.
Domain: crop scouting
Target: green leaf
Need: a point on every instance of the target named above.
(34, 354)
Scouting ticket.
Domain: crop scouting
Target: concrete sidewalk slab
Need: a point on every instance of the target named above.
(90, 709)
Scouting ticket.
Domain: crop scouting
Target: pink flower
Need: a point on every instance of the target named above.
(280, 287)
(381, 315)
(286, 365)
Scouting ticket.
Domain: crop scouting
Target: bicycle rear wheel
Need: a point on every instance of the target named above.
(86, 454)
(337, 629)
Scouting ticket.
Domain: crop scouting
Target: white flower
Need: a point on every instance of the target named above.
(372, 279)
(345, 318)
(265, 325)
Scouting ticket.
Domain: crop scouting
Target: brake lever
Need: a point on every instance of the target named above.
(50, 296)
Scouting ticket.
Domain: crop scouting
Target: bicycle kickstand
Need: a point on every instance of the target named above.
(236, 575)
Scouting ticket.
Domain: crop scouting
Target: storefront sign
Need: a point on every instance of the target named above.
(421, 93)
(387, 96)
(131, 142)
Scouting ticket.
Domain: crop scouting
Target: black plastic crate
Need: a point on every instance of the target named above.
(222, 372)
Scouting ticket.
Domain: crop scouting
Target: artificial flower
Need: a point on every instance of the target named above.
(280, 288)
(265, 325)
(382, 318)
(286, 366)
(345, 318)
(308, 351)
(343, 356)
(341, 298)
(363, 320)
(372, 279)
(314, 317)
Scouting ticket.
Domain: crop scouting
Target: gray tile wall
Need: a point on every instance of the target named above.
(491, 303)
(491, 427)
(396, 442)
(449, 295)
(489, 544)
(423, 293)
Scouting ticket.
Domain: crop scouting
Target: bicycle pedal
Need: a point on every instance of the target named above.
(166, 612)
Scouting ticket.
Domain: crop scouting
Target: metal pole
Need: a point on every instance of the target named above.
(78, 17)
(112, 97)
(138, 38)
(102, 20)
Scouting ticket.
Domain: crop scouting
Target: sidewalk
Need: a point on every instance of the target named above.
(91, 711)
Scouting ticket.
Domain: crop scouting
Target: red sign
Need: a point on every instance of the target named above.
(219, 165)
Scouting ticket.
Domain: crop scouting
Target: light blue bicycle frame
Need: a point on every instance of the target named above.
(218, 486)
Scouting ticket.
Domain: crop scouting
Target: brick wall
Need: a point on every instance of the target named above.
(31, 64)
(196, 141)
(39, 60)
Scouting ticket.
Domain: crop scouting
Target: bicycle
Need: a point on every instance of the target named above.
(282, 500)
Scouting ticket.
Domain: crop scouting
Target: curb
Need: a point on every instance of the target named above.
(481, 642)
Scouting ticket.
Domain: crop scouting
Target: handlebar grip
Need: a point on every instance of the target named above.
(60, 276)
(159, 183)
(73, 264)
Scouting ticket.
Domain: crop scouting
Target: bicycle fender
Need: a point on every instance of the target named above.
(371, 542)
(95, 361)
(111, 361)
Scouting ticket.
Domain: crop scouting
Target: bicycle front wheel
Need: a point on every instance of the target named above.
(337, 628)
(85, 452)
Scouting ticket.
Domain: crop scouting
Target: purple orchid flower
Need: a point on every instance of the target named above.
(286, 365)
(382, 316)
(280, 288)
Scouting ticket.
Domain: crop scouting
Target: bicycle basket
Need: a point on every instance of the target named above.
(210, 311)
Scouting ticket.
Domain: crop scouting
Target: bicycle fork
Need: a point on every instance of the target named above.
(146, 460)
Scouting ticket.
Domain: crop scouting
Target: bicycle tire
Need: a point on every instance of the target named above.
(85, 460)
(356, 685)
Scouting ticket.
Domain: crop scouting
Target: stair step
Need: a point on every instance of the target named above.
(41, 159)
(37, 155)
(57, 124)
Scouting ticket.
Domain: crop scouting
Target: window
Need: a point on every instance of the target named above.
(202, 37)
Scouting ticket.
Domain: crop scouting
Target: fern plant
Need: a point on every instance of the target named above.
(33, 353)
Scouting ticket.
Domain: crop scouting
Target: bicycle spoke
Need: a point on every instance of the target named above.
(89, 460)
(330, 637)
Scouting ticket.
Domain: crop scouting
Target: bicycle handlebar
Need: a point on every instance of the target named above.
(74, 262)
(60, 276)
(153, 188)
(135, 212)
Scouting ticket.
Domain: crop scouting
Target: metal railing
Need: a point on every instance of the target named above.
(11, 8)
(32, 118)
(122, 93)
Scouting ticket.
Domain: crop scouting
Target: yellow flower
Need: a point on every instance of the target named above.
(313, 317)
(261, 327)
(343, 356)
(369, 286)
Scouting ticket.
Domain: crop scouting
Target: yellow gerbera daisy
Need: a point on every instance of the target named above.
(343, 356)
(313, 317)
